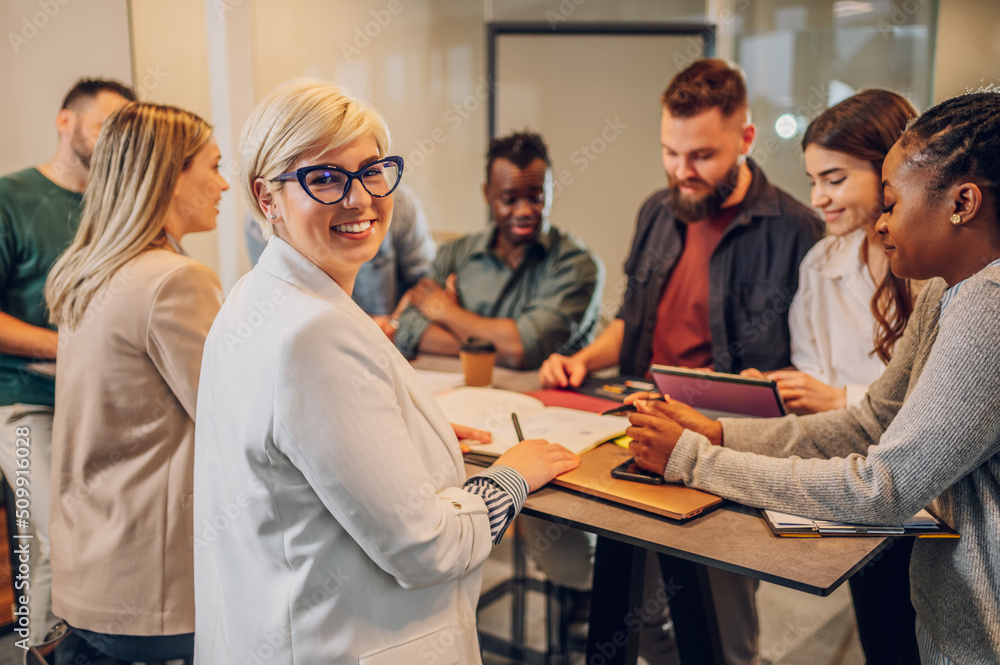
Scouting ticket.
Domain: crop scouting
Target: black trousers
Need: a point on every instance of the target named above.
(886, 619)
(82, 647)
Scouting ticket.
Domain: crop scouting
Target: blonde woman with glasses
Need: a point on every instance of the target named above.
(133, 312)
(333, 519)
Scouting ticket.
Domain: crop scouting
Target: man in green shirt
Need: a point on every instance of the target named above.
(521, 283)
(39, 213)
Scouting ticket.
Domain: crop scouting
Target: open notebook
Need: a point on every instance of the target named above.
(490, 409)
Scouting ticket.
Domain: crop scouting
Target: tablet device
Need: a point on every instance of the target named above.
(718, 393)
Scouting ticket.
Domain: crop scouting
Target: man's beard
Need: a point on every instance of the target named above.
(689, 208)
(81, 148)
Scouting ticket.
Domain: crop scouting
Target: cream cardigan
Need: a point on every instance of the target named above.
(123, 449)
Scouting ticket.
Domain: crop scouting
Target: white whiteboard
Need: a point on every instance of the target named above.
(595, 99)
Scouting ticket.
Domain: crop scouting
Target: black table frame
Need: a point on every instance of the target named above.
(619, 567)
(817, 566)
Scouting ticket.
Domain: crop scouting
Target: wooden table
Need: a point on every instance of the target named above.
(732, 537)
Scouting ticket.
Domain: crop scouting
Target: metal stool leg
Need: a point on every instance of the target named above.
(518, 591)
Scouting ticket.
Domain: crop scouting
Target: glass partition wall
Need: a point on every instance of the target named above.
(423, 65)
(802, 56)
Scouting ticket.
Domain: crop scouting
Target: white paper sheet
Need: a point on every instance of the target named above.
(922, 520)
(490, 409)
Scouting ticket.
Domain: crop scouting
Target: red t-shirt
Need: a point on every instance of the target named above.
(682, 336)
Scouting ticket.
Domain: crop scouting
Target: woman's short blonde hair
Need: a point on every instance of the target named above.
(139, 156)
(298, 118)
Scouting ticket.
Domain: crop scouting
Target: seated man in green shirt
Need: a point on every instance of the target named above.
(521, 283)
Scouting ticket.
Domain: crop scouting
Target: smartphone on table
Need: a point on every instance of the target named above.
(629, 470)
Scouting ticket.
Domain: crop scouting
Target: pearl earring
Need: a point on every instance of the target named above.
(956, 219)
(273, 216)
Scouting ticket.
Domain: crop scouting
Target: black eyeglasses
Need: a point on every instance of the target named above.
(330, 184)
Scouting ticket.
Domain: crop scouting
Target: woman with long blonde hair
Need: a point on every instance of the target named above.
(133, 312)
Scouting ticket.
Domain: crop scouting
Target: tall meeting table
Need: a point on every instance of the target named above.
(731, 537)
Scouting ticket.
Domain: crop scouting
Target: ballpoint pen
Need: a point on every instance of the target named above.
(629, 408)
(517, 427)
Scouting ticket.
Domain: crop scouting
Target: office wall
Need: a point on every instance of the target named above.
(170, 52)
(425, 59)
(968, 47)
(47, 46)
(421, 63)
(602, 131)
(802, 57)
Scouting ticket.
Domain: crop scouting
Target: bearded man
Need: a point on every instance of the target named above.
(715, 256)
(713, 268)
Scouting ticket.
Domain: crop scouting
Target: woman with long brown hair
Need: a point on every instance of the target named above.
(850, 309)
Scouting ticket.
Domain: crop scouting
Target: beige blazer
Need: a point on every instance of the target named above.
(330, 523)
(123, 449)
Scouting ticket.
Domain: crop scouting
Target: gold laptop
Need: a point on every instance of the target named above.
(593, 476)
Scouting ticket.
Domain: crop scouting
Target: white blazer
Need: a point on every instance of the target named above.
(329, 525)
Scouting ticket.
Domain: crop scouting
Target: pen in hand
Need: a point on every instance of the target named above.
(631, 408)
(517, 427)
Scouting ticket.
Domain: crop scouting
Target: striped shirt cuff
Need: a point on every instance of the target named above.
(504, 490)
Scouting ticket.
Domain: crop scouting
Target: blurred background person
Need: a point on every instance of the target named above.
(39, 213)
(134, 312)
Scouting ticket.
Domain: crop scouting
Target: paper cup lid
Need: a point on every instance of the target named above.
(478, 345)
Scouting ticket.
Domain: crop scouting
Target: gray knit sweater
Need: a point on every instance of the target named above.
(935, 417)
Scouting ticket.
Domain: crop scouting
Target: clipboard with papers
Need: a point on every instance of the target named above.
(922, 525)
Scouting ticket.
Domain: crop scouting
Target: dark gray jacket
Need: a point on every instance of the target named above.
(753, 273)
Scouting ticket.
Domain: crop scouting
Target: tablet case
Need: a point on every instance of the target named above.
(718, 393)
